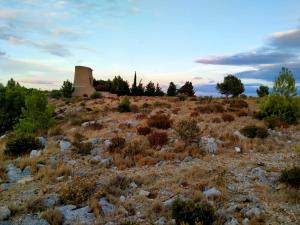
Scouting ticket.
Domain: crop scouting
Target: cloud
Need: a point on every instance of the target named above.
(280, 48)
(286, 40)
(2, 53)
(36, 81)
(249, 58)
(197, 78)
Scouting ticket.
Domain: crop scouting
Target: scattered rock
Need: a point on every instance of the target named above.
(253, 213)
(169, 202)
(51, 200)
(107, 143)
(133, 185)
(144, 193)
(211, 146)
(122, 198)
(106, 207)
(4, 213)
(42, 141)
(106, 162)
(5, 186)
(25, 180)
(35, 153)
(88, 123)
(96, 151)
(161, 221)
(212, 192)
(260, 174)
(72, 215)
(15, 174)
(64, 145)
(245, 221)
(238, 134)
(96, 159)
(188, 159)
(232, 221)
(237, 149)
(30, 220)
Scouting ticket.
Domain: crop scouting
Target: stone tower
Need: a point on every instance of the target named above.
(83, 81)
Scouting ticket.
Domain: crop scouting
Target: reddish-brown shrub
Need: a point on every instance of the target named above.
(242, 113)
(175, 111)
(141, 116)
(158, 138)
(116, 143)
(227, 117)
(160, 121)
(216, 120)
(143, 130)
(134, 108)
(238, 103)
(194, 114)
(212, 108)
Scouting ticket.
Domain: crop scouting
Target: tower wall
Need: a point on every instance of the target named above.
(83, 81)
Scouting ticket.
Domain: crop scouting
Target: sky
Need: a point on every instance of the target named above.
(162, 40)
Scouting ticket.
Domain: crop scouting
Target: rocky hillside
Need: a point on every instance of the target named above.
(101, 166)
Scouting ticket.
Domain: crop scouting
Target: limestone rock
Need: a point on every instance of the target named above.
(4, 212)
(35, 153)
(212, 192)
(106, 207)
(72, 215)
(64, 145)
(29, 219)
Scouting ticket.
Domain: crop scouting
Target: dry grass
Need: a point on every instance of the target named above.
(53, 216)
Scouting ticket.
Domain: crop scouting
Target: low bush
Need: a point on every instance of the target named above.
(227, 117)
(242, 113)
(291, 177)
(194, 114)
(56, 94)
(53, 216)
(253, 131)
(238, 103)
(272, 123)
(162, 105)
(77, 190)
(160, 121)
(55, 131)
(82, 148)
(117, 143)
(21, 144)
(143, 130)
(187, 130)
(189, 212)
(205, 99)
(282, 108)
(158, 138)
(216, 120)
(211, 108)
(182, 97)
(124, 106)
(96, 95)
(134, 108)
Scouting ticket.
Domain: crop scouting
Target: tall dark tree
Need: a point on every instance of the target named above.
(134, 86)
(67, 89)
(158, 91)
(140, 89)
(187, 89)
(102, 85)
(262, 91)
(231, 86)
(120, 86)
(150, 89)
(171, 89)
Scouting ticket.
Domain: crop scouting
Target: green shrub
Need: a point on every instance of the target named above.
(124, 106)
(37, 115)
(67, 89)
(189, 212)
(187, 129)
(282, 108)
(291, 177)
(95, 95)
(21, 144)
(253, 131)
(56, 94)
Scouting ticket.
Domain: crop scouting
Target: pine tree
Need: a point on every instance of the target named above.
(172, 89)
(140, 89)
(150, 89)
(158, 91)
(187, 89)
(231, 86)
